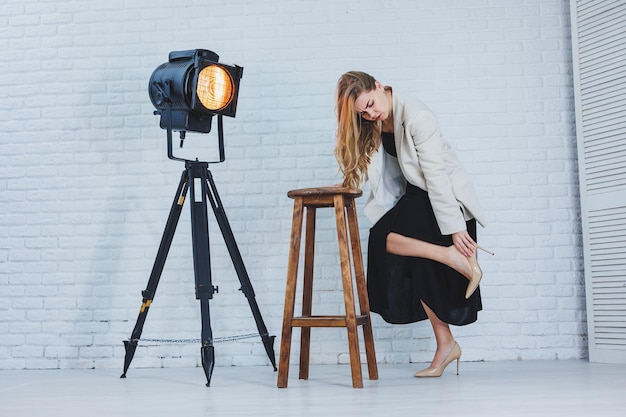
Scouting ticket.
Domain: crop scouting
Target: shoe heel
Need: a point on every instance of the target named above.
(458, 360)
(485, 250)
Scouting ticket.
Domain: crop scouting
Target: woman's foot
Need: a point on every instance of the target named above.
(458, 262)
(477, 275)
(441, 360)
(466, 266)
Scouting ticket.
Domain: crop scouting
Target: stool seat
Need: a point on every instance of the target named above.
(325, 192)
(342, 200)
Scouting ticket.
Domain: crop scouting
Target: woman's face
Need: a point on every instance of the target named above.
(373, 105)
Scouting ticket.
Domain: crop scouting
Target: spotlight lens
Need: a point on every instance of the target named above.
(215, 87)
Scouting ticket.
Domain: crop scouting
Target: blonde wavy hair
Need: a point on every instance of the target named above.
(357, 138)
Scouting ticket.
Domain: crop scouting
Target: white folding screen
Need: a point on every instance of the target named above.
(599, 58)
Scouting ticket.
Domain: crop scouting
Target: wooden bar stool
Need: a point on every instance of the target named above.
(342, 199)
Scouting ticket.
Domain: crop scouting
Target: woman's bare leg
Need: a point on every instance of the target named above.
(447, 255)
(443, 337)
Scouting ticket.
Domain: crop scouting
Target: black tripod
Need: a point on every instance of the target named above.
(198, 179)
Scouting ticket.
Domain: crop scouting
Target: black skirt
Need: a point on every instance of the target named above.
(396, 284)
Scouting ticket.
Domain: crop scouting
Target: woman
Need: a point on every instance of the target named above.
(422, 248)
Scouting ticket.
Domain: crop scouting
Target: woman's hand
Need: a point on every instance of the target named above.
(464, 243)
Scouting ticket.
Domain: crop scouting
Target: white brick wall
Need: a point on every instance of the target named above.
(85, 184)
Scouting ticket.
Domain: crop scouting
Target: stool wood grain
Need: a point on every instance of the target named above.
(342, 200)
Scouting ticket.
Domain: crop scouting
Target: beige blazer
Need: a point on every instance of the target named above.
(427, 161)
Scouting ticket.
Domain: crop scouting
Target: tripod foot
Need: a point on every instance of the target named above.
(207, 352)
(130, 346)
(268, 343)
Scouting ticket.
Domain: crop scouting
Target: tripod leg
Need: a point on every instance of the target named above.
(235, 255)
(148, 294)
(202, 260)
(207, 350)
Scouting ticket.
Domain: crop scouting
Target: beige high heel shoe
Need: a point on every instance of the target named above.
(477, 273)
(455, 353)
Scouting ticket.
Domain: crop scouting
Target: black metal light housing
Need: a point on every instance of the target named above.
(191, 87)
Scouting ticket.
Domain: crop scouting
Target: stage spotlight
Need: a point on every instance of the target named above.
(192, 87)
(187, 91)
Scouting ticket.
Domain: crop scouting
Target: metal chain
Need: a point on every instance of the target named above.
(216, 340)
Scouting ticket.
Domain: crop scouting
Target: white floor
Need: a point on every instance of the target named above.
(503, 389)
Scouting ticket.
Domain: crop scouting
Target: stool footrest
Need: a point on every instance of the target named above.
(326, 321)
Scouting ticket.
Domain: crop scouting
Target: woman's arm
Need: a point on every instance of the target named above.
(430, 147)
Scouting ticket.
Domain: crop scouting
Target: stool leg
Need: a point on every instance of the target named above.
(290, 293)
(361, 288)
(348, 292)
(307, 296)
